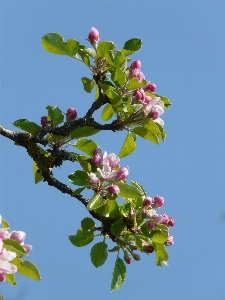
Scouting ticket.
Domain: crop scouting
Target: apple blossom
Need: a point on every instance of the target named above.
(93, 178)
(18, 236)
(169, 241)
(93, 36)
(5, 265)
(107, 173)
(111, 159)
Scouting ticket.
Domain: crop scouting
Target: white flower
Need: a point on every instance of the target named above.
(106, 173)
(5, 258)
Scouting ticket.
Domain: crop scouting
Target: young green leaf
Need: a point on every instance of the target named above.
(119, 274)
(95, 202)
(131, 46)
(78, 191)
(114, 249)
(160, 234)
(128, 146)
(87, 224)
(128, 191)
(118, 77)
(104, 48)
(88, 84)
(146, 134)
(86, 145)
(161, 254)
(139, 187)
(14, 246)
(26, 268)
(37, 173)
(11, 280)
(107, 112)
(135, 84)
(79, 178)
(115, 58)
(82, 238)
(26, 125)
(99, 254)
(117, 227)
(54, 43)
(153, 127)
(83, 131)
(165, 100)
(55, 115)
(5, 224)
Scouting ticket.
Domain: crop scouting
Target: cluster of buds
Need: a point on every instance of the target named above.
(7, 256)
(152, 107)
(108, 170)
(71, 114)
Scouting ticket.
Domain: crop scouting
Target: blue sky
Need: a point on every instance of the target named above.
(183, 53)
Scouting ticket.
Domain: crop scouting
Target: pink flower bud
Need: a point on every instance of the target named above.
(122, 173)
(113, 189)
(137, 73)
(147, 201)
(93, 36)
(27, 248)
(151, 225)
(169, 241)
(158, 218)
(18, 236)
(153, 114)
(136, 256)
(93, 178)
(165, 219)
(97, 151)
(148, 248)
(136, 65)
(97, 159)
(158, 202)
(171, 222)
(71, 114)
(147, 100)
(151, 87)
(44, 120)
(128, 260)
(139, 94)
(2, 277)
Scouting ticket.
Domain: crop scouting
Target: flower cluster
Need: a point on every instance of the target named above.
(7, 256)
(108, 170)
(152, 107)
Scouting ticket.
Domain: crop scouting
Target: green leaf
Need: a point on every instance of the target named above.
(5, 224)
(37, 173)
(84, 56)
(26, 125)
(139, 187)
(79, 178)
(114, 211)
(82, 238)
(14, 246)
(54, 43)
(160, 234)
(106, 85)
(86, 145)
(115, 100)
(87, 224)
(128, 146)
(107, 112)
(119, 274)
(91, 52)
(114, 249)
(55, 115)
(135, 84)
(26, 268)
(11, 280)
(146, 134)
(78, 191)
(162, 131)
(104, 48)
(115, 58)
(88, 84)
(118, 77)
(99, 254)
(131, 46)
(154, 128)
(95, 202)
(83, 131)
(164, 99)
(117, 227)
(128, 191)
(138, 242)
(161, 254)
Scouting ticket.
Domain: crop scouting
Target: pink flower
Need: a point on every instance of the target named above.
(139, 94)
(122, 173)
(93, 178)
(169, 241)
(166, 219)
(5, 258)
(18, 236)
(147, 201)
(151, 87)
(44, 120)
(27, 248)
(93, 36)
(110, 159)
(97, 156)
(107, 173)
(137, 73)
(136, 65)
(171, 222)
(113, 189)
(157, 218)
(71, 114)
(158, 202)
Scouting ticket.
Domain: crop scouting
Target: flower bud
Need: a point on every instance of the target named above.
(136, 65)
(137, 73)
(148, 248)
(165, 219)
(147, 100)
(93, 36)
(136, 256)
(97, 159)
(147, 201)
(151, 87)
(158, 202)
(169, 241)
(113, 189)
(151, 225)
(139, 94)
(122, 173)
(27, 248)
(127, 257)
(157, 218)
(153, 114)
(97, 151)
(44, 120)
(171, 222)
(93, 178)
(71, 114)
(2, 277)
(18, 236)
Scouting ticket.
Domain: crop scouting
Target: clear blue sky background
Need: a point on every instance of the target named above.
(183, 53)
